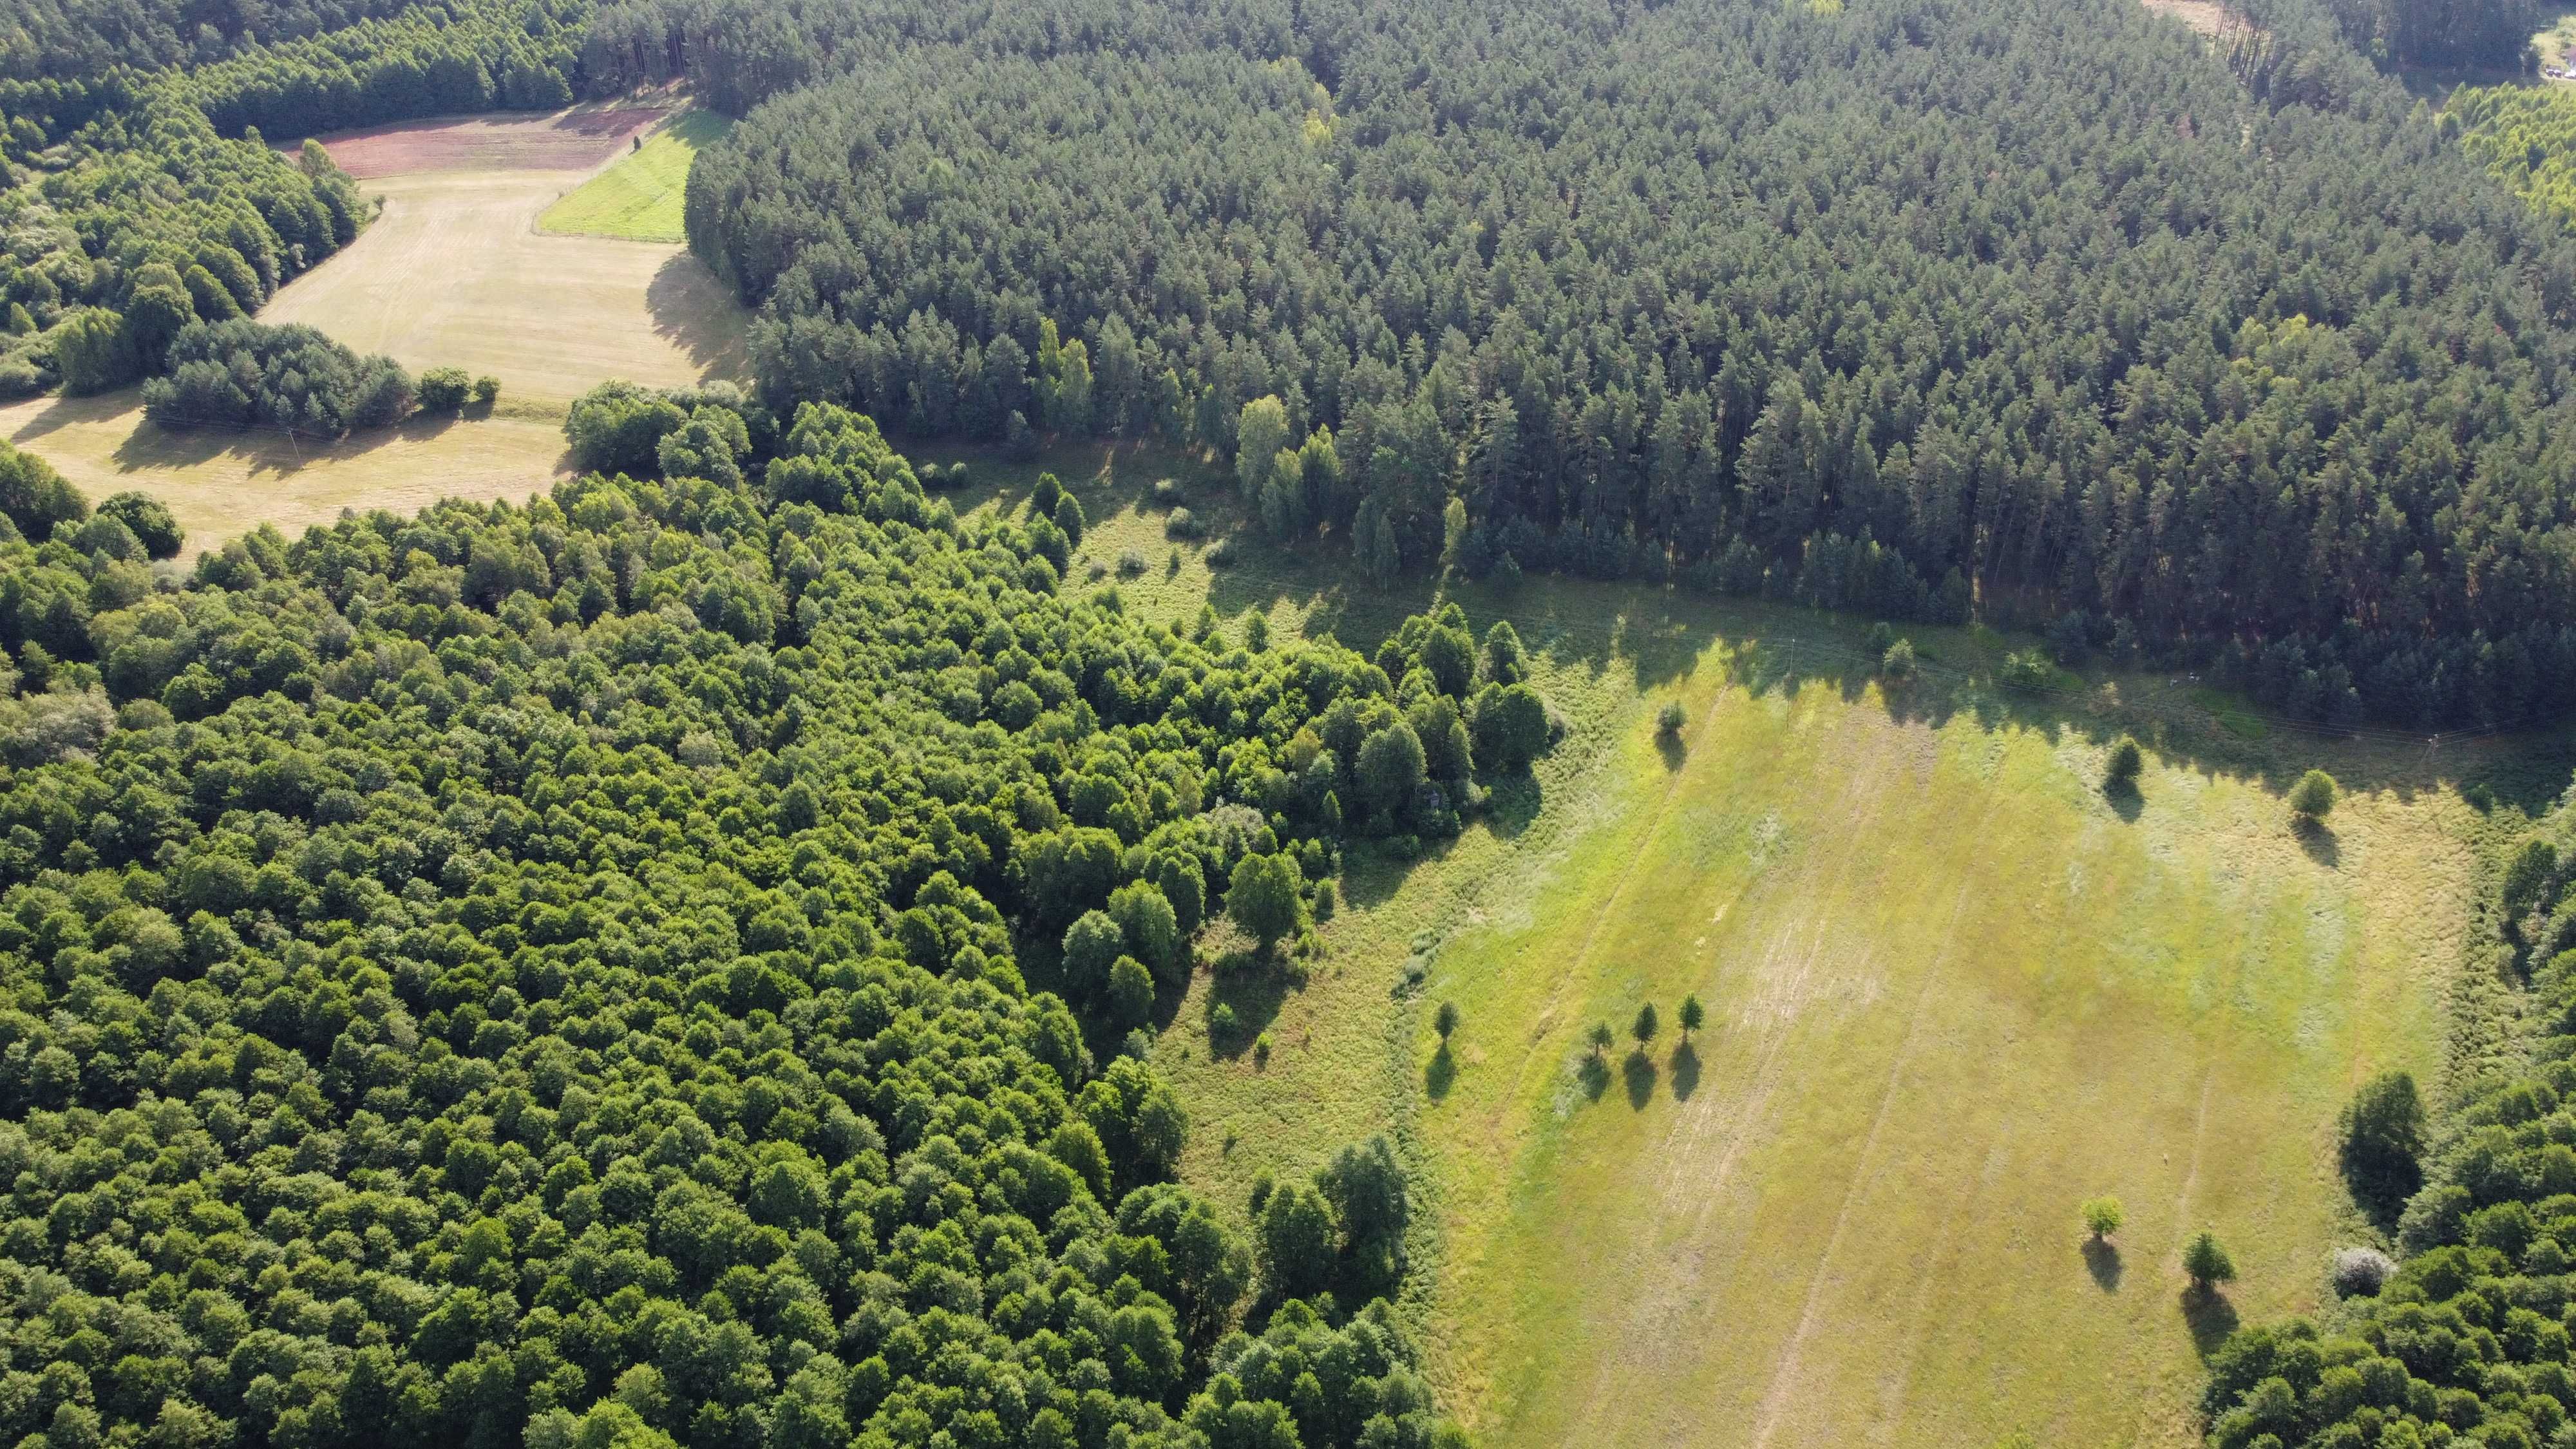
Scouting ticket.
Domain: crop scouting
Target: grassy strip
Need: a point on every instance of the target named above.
(639, 198)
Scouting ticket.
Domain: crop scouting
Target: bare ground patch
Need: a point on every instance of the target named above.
(568, 140)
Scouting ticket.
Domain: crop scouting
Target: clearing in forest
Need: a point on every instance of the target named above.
(1952, 987)
(639, 197)
(222, 484)
(454, 272)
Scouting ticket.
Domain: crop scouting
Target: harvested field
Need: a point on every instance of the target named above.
(454, 273)
(220, 485)
(570, 140)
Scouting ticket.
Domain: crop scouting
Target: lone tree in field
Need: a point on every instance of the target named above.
(2207, 1262)
(1646, 1025)
(1600, 1038)
(2313, 797)
(2121, 773)
(1693, 1015)
(1445, 1020)
(1670, 719)
(2102, 1216)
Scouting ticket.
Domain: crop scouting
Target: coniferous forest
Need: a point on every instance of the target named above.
(1909, 307)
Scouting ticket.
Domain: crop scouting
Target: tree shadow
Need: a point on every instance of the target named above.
(1668, 745)
(1640, 1074)
(1252, 991)
(2210, 1316)
(693, 312)
(2125, 801)
(264, 451)
(1441, 1075)
(1512, 802)
(1594, 1075)
(1685, 1071)
(2319, 841)
(2102, 1260)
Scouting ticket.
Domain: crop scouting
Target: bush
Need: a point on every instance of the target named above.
(2103, 1216)
(1219, 554)
(1131, 563)
(2361, 1272)
(1181, 523)
(2121, 773)
(1670, 719)
(1897, 662)
(487, 390)
(2207, 1263)
(2313, 798)
(1167, 493)
(443, 391)
(2027, 669)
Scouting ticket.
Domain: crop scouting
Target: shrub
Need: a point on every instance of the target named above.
(2207, 1263)
(2313, 798)
(2103, 1216)
(2361, 1272)
(1445, 1020)
(2026, 669)
(1670, 719)
(1131, 563)
(1167, 492)
(443, 390)
(2121, 772)
(487, 390)
(1181, 523)
(1219, 554)
(1897, 661)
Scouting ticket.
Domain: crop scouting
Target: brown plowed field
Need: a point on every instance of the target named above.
(573, 140)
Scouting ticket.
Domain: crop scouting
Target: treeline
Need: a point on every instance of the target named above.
(555, 974)
(2045, 312)
(430, 59)
(83, 40)
(2467, 1340)
(154, 223)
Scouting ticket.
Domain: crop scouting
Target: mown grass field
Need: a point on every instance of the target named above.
(638, 197)
(220, 485)
(454, 272)
(1953, 989)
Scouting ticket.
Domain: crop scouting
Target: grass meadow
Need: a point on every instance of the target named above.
(1953, 988)
(638, 197)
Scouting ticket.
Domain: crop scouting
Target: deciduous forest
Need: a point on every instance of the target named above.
(565, 971)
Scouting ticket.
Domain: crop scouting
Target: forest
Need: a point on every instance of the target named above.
(2024, 309)
(661, 965)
